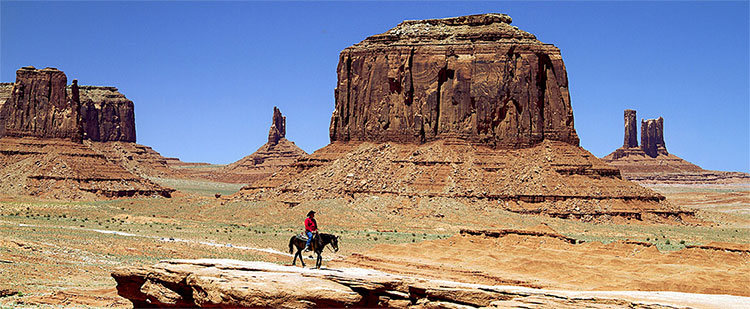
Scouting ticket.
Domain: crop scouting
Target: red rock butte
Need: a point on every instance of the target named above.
(474, 77)
(60, 141)
(467, 108)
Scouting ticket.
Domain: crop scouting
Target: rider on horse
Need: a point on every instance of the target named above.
(311, 228)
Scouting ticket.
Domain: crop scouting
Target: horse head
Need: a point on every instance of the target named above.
(335, 243)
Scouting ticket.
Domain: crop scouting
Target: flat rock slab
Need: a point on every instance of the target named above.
(231, 283)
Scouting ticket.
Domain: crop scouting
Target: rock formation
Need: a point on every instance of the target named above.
(5, 90)
(41, 140)
(243, 284)
(278, 127)
(107, 115)
(62, 169)
(631, 132)
(40, 107)
(652, 163)
(652, 137)
(474, 77)
(276, 154)
(468, 108)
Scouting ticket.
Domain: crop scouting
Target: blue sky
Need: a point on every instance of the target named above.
(205, 76)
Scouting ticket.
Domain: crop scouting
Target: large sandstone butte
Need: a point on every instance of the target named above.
(652, 163)
(39, 106)
(42, 146)
(468, 108)
(107, 115)
(474, 77)
(277, 153)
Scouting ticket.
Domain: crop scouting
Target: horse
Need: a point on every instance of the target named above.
(317, 245)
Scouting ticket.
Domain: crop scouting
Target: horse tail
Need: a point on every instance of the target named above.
(291, 245)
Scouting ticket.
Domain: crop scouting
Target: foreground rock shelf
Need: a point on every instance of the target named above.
(231, 283)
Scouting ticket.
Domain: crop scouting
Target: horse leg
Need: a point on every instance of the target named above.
(319, 261)
(301, 260)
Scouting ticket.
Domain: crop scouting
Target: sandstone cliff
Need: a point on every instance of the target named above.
(472, 77)
(650, 162)
(103, 113)
(107, 115)
(39, 106)
(41, 135)
(652, 137)
(631, 132)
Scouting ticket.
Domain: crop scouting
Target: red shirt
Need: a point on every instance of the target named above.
(310, 225)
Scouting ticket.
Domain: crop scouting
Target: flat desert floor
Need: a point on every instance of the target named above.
(61, 253)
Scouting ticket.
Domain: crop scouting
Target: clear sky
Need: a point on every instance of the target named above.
(205, 76)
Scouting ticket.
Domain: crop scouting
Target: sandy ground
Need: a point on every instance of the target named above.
(51, 255)
(547, 262)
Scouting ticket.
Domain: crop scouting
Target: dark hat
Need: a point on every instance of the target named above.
(310, 213)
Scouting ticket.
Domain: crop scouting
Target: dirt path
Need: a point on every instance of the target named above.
(164, 239)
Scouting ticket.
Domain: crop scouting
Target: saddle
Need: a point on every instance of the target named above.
(302, 236)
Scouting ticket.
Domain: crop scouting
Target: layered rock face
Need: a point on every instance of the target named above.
(475, 77)
(107, 115)
(276, 154)
(278, 127)
(652, 137)
(42, 132)
(651, 163)
(62, 169)
(631, 132)
(39, 106)
(243, 284)
(467, 108)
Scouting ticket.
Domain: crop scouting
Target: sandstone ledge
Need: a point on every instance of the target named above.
(231, 283)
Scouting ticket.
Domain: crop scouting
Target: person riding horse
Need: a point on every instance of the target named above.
(311, 228)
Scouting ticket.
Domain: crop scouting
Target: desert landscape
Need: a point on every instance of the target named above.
(454, 177)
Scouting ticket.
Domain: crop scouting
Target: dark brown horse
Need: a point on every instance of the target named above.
(317, 244)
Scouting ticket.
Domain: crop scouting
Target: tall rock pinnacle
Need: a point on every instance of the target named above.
(652, 137)
(278, 127)
(631, 131)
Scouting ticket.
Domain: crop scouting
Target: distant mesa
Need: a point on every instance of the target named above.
(277, 153)
(651, 162)
(467, 108)
(51, 140)
(73, 112)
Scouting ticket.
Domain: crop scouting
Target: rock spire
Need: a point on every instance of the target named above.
(631, 131)
(652, 137)
(651, 163)
(278, 127)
